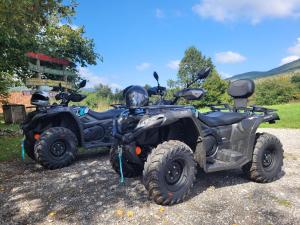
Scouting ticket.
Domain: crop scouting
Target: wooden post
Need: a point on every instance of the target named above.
(39, 75)
(65, 76)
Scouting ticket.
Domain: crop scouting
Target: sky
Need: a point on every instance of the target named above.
(137, 37)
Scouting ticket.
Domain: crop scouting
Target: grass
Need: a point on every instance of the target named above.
(282, 202)
(10, 147)
(289, 116)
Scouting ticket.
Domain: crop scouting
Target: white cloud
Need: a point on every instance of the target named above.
(143, 66)
(289, 59)
(295, 50)
(229, 57)
(253, 10)
(159, 13)
(174, 64)
(94, 79)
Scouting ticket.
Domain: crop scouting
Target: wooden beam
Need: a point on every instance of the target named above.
(43, 69)
(46, 82)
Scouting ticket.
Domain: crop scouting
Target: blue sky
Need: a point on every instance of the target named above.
(137, 37)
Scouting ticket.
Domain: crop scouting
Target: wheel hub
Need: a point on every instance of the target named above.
(267, 159)
(174, 172)
(58, 148)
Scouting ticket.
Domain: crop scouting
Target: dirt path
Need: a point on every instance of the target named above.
(88, 192)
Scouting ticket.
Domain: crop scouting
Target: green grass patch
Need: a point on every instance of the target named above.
(10, 148)
(289, 116)
(282, 202)
(13, 127)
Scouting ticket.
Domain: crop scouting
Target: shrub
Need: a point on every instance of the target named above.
(274, 91)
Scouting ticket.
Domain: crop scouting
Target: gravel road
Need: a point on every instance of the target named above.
(88, 192)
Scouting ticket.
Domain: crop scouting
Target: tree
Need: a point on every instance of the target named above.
(103, 91)
(273, 91)
(63, 41)
(35, 25)
(295, 79)
(20, 24)
(192, 62)
(5, 82)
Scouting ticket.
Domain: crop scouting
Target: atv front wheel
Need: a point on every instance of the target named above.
(29, 149)
(267, 159)
(56, 148)
(128, 169)
(169, 172)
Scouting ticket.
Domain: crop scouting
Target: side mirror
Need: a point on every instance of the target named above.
(156, 76)
(82, 84)
(203, 73)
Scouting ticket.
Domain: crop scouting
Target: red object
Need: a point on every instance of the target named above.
(138, 150)
(36, 136)
(47, 58)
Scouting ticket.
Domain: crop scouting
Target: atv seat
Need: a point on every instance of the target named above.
(214, 119)
(109, 114)
(241, 90)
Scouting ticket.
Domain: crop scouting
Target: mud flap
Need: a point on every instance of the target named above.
(200, 154)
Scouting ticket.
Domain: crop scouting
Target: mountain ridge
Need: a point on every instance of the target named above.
(286, 68)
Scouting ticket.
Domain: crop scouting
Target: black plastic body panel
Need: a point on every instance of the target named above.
(90, 131)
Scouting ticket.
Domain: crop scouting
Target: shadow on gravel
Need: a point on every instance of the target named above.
(92, 154)
(87, 188)
(217, 180)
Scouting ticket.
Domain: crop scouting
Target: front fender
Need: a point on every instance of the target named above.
(160, 120)
(57, 113)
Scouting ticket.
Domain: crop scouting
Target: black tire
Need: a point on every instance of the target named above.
(169, 172)
(29, 149)
(267, 159)
(56, 148)
(128, 169)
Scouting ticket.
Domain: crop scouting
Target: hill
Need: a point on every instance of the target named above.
(286, 68)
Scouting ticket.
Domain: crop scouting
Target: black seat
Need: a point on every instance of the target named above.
(241, 90)
(109, 114)
(214, 119)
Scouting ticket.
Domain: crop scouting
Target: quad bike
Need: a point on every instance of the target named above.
(165, 143)
(54, 132)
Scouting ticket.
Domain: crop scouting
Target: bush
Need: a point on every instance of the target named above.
(274, 91)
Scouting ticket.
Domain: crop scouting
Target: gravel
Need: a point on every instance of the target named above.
(88, 192)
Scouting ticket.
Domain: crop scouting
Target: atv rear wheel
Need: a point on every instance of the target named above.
(267, 159)
(169, 172)
(29, 149)
(128, 169)
(56, 148)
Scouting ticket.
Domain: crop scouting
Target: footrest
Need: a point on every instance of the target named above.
(228, 155)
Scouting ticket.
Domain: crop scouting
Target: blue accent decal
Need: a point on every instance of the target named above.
(81, 110)
(23, 150)
(120, 164)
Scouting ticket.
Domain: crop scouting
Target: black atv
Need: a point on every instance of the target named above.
(165, 143)
(54, 132)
